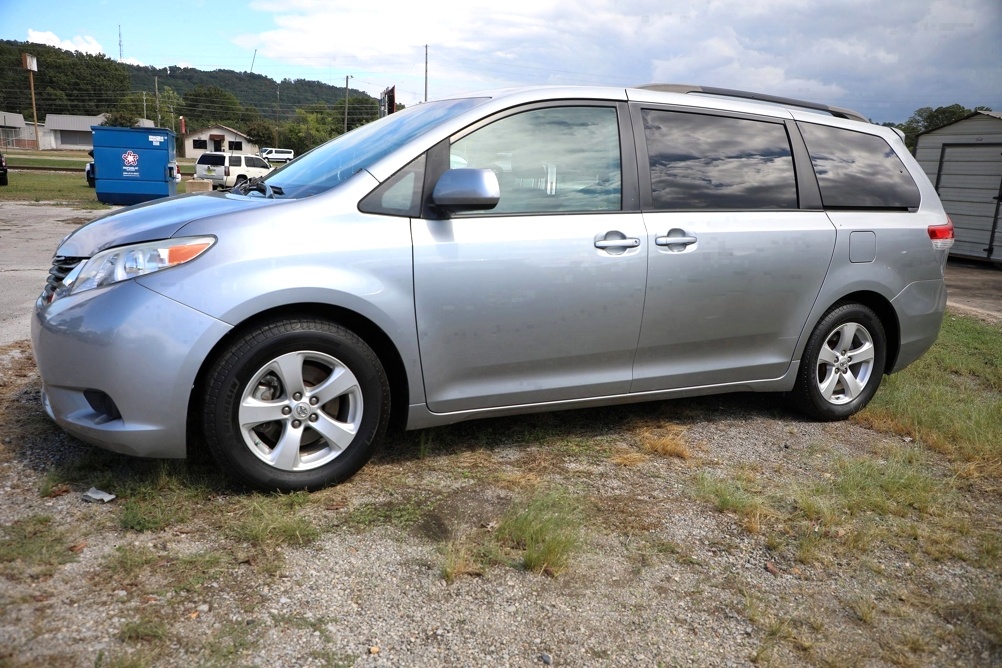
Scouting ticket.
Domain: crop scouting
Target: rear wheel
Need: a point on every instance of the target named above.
(842, 365)
(295, 404)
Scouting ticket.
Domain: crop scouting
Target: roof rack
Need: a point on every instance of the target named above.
(838, 112)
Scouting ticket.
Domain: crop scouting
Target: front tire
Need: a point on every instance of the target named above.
(295, 404)
(842, 364)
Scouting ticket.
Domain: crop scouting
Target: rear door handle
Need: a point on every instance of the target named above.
(675, 240)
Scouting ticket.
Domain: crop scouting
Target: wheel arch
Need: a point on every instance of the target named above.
(888, 318)
(369, 332)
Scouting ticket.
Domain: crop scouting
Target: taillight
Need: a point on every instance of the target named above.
(942, 235)
(226, 172)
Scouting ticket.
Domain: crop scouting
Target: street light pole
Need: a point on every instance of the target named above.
(348, 76)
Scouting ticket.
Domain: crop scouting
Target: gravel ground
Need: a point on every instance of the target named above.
(662, 576)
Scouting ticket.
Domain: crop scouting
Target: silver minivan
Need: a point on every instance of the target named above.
(500, 253)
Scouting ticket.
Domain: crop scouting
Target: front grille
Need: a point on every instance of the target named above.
(61, 267)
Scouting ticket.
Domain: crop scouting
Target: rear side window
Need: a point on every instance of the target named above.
(857, 170)
(700, 161)
(212, 159)
(235, 161)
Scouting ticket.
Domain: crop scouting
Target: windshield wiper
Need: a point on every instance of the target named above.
(256, 184)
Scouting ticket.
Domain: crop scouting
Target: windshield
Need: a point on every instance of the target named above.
(336, 161)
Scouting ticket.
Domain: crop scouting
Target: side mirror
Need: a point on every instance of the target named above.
(467, 190)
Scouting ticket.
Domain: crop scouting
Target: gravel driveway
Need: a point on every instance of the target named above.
(736, 546)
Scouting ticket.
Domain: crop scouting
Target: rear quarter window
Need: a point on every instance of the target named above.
(857, 170)
(206, 159)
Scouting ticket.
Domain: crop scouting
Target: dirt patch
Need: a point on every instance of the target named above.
(749, 550)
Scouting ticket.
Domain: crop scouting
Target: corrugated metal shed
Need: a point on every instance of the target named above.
(72, 123)
(964, 161)
(9, 120)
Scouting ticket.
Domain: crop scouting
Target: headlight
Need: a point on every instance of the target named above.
(125, 262)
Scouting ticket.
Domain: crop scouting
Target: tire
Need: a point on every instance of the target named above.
(842, 364)
(295, 404)
(240, 179)
(90, 182)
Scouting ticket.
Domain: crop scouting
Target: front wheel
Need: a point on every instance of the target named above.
(842, 365)
(295, 404)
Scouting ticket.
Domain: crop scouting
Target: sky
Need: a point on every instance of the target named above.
(883, 58)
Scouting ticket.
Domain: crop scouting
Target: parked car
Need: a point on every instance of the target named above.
(226, 170)
(276, 155)
(528, 250)
(89, 172)
(3, 170)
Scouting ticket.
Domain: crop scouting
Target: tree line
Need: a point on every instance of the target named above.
(293, 113)
(297, 114)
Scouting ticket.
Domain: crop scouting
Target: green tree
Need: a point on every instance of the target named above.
(121, 119)
(205, 105)
(927, 118)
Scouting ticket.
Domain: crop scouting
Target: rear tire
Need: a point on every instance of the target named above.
(295, 403)
(842, 364)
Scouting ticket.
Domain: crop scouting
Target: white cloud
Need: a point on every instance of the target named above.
(82, 43)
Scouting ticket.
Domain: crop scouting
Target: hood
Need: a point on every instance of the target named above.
(159, 219)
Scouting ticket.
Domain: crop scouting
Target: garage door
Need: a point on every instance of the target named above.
(969, 183)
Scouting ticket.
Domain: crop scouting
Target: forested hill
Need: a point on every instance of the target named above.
(252, 90)
(70, 82)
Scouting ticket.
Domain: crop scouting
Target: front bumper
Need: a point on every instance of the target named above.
(118, 365)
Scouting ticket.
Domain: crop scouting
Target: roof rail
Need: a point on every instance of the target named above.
(838, 112)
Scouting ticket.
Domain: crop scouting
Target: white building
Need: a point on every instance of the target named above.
(218, 138)
(964, 162)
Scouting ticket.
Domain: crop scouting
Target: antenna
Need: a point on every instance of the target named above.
(252, 61)
(120, 43)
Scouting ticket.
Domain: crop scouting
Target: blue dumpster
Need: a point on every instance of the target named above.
(134, 165)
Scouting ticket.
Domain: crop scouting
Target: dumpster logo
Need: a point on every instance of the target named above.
(130, 163)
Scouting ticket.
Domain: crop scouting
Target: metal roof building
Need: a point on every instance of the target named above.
(964, 161)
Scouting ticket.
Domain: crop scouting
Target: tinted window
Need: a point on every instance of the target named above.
(554, 159)
(211, 159)
(858, 170)
(714, 162)
(235, 161)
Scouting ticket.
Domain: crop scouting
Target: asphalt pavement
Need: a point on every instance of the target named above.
(29, 234)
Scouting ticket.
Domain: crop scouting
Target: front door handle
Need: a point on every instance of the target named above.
(615, 242)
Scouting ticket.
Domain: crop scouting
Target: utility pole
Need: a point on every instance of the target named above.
(425, 72)
(30, 63)
(119, 43)
(346, 101)
(156, 89)
(144, 104)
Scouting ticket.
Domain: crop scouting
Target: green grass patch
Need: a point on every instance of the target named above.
(951, 398)
(33, 548)
(48, 187)
(146, 628)
(546, 529)
(15, 161)
(55, 187)
(271, 520)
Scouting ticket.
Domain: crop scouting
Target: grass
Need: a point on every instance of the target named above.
(54, 187)
(545, 530)
(49, 187)
(33, 547)
(949, 400)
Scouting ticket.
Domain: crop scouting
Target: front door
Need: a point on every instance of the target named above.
(540, 299)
